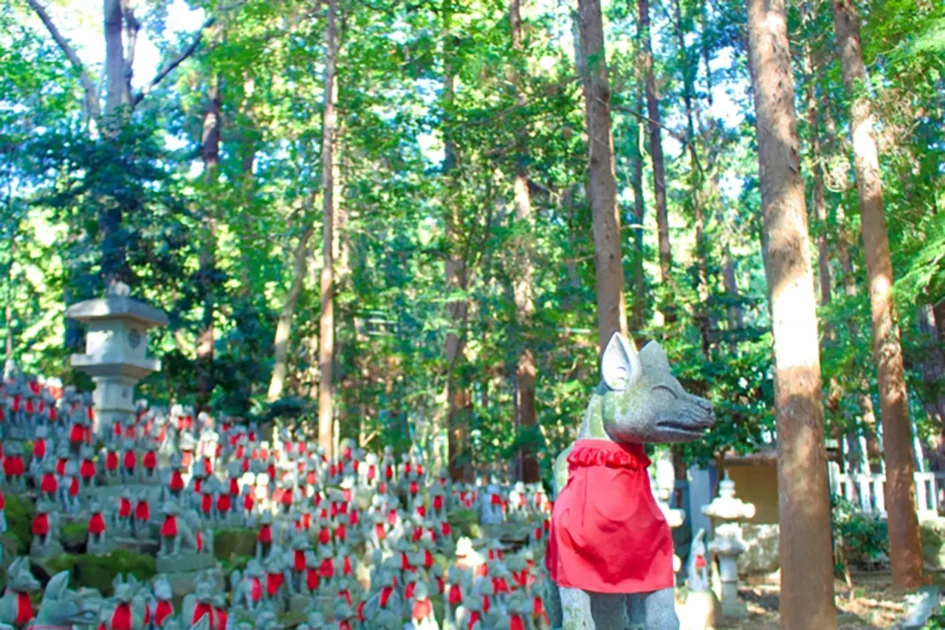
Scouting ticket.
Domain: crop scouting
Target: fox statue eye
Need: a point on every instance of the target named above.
(665, 388)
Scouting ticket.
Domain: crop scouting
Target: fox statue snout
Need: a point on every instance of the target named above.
(642, 401)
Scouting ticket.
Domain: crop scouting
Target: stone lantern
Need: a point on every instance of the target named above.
(727, 513)
(115, 347)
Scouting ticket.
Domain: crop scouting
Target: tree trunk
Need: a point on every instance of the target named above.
(280, 366)
(905, 546)
(459, 464)
(115, 90)
(818, 202)
(602, 186)
(933, 376)
(638, 313)
(458, 398)
(207, 272)
(697, 194)
(805, 543)
(8, 307)
(525, 414)
(326, 321)
(656, 154)
(114, 265)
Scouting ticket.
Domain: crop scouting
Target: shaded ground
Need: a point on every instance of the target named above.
(874, 604)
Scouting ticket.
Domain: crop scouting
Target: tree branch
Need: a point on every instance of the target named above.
(91, 96)
(166, 70)
(678, 136)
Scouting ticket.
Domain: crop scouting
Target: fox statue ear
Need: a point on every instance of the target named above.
(620, 365)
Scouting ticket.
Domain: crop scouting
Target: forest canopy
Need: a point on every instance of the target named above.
(389, 201)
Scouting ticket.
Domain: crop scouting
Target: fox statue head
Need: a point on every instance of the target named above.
(639, 400)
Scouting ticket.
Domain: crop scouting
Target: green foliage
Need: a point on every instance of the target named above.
(79, 205)
(233, 543)
(857, 537)
(19, 512)
(98, 572)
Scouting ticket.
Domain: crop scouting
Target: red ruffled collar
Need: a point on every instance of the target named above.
(590, 452)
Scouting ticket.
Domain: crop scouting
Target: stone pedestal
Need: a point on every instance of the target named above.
(115, 350)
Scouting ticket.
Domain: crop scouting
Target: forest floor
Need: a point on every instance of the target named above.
(874, 603)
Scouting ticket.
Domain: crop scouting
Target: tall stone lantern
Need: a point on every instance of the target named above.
(115, 347)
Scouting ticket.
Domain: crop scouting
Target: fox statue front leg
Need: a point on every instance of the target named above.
(602, 478)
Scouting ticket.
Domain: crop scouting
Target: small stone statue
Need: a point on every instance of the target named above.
(14, 470)
(62, 607)
(16, 609)
(45, 528)
(421, 613)
(160, 604)
(127, 608)
(96, 529)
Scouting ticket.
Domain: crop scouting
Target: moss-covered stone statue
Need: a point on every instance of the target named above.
(610, 550)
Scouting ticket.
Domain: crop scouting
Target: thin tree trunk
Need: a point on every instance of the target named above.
(115, 91)
(818, 202)
(114, 265)
(525, 414)
(874, 451)
(207, 273)
(905, 545)
(805, 544)
(656, 154)
(459, 464)
(734, 311)
(696, 189)
(602, 186)
(638, 313)
(933, 376)
(280, 366)
(326, 321)
(8, 307)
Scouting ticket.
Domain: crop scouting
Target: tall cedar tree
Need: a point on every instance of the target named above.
(601, 185)
(522, 285)
(326, 322)
(458, 397)
(805, 545)
(655, 134)
(905, 544)
(211, 165)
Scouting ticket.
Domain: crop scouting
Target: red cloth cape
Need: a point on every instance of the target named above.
(608, 535)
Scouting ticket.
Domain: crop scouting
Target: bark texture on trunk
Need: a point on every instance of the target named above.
(655, 133)
(114, 62)
(280, 366)
(805, 541)
(459, 401)
(525, 413)
(326, 321)
(211, 164)
(602, 185)
(905, 545)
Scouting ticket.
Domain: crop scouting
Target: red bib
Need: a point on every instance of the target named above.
(607, 533)
(96, 523)
(121, 618)
(169, 526)
(163, 611)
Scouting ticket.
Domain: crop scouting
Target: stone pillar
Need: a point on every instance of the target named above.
(115, 350)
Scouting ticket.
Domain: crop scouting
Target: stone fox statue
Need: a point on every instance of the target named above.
(610, 551)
